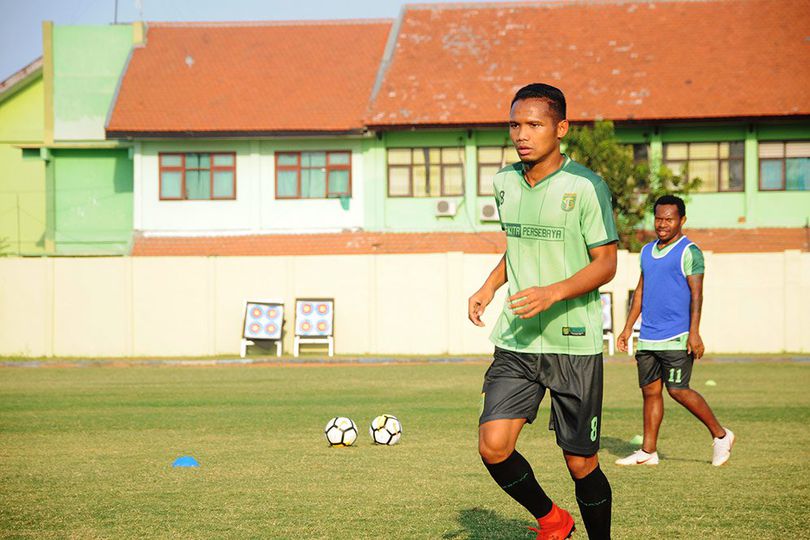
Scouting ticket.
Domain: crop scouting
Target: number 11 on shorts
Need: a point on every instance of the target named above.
(674, 375)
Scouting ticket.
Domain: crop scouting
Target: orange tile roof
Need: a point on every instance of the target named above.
(620, 60)
(362, 243)
(249, 78)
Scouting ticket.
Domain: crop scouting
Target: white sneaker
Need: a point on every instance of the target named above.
(639, 457)
(722, 448)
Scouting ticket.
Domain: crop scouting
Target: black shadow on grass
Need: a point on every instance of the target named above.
(621, 448)
(690, 460)
(483, 524)
(617, 447)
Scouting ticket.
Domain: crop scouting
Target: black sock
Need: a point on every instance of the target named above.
(516, 478)
(595, 499)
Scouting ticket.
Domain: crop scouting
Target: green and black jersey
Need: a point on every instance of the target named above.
(550, 228)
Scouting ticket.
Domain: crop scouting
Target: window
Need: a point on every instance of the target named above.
(720, 166)
(784, 166)
(197, 176)
(641, 153)
(425, 172)
(313, 175)
(492, 159)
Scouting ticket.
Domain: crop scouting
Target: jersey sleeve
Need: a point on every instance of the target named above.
(693, 261)
(596, 216)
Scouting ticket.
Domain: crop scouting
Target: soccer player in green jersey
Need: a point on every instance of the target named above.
(669, 298)
(560, 247)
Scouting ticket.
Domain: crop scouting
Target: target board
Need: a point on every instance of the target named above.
(314, 317)
(263, 320)
(607, 311)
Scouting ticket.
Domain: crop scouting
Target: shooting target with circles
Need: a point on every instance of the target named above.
(263, 320)
(314, 318)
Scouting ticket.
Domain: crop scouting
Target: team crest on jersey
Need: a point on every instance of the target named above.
(568, 201)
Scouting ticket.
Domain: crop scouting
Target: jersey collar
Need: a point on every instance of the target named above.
(660, 253)
(566, 161)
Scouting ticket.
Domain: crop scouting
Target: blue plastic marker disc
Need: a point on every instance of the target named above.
(185, 461)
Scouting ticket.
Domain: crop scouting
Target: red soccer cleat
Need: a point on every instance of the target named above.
(556, 525)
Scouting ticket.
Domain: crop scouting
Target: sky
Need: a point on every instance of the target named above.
(21, 20)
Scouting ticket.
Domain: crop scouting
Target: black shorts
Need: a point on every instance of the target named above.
(674, 367)
(515, 384)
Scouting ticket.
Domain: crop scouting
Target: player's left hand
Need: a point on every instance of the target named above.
(529, 302)
(694, 346)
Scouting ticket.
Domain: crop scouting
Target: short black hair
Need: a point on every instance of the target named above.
(550, 94)
(671, 199)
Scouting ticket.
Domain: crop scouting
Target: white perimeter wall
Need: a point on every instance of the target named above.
(384, 304)
(255, 208)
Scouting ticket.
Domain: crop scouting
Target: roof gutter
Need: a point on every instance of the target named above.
(230, 134)
(693, 121)
(20, 79)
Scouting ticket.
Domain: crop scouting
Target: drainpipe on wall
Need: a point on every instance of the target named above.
(470, 198)
(751, 177)
(48, 83)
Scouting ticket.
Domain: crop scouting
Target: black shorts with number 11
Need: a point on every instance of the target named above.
(674, 368)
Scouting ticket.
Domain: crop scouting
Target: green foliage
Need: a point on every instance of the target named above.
(87, 453)
(635, 186)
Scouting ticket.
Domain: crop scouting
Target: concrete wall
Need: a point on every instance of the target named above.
(385, 304)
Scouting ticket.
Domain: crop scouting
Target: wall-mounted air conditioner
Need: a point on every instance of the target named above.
(446, 207)
(487, 211)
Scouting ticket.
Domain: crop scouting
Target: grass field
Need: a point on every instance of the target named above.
(87, 453)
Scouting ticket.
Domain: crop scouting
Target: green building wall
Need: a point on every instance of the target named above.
(419, 214)
(776, 208)
(750, 208)
(747, 209)
(87, 64)
(89, 179)
(22, 180)
(92, 209)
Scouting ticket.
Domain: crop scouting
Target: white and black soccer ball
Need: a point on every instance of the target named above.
(385, 429)
(340, 431)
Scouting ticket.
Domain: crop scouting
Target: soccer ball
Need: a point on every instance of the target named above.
(385, 429)
(340, 431)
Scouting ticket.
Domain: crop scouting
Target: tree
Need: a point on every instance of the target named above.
(635, 185)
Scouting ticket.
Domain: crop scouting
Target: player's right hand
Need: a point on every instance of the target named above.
(476, 305)
(621, 341)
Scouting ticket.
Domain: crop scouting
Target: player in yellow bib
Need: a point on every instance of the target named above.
(560, 247)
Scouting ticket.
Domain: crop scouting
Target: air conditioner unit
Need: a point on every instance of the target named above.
(446, 207)
(488, 211)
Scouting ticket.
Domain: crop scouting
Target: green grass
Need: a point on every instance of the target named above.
(86, 453)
